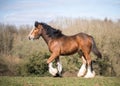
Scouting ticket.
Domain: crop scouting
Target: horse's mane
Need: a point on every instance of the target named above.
(50, 31)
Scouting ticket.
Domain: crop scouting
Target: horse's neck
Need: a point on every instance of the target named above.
(46, 37)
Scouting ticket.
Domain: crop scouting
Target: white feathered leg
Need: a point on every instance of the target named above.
(52, 70)
(90, 73)
(59, 67)
(82, 69)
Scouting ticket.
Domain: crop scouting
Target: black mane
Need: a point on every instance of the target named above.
(52, 32)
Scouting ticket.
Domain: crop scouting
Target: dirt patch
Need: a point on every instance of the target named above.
(70, 74)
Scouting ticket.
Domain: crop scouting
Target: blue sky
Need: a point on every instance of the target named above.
(27, 11)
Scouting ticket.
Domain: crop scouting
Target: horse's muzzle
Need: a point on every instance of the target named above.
(30, 37)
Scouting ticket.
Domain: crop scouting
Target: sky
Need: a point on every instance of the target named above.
(21, 12)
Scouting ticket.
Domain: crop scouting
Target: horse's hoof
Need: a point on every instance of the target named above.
(90, 75)
(58, 75)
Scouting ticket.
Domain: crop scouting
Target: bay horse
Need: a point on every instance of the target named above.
(60, 44)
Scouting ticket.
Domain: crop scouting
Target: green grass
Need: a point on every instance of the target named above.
(64, 81)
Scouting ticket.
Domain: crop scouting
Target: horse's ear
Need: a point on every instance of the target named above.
(36, 23)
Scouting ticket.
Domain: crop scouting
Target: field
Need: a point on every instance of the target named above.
(64, 81)
(27, 59)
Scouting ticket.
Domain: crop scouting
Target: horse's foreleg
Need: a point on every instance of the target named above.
(83, 68)
(52, 57)
(90, 73)
(59, 66)
(52, 70)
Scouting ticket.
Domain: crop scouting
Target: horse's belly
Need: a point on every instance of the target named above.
(69, 51)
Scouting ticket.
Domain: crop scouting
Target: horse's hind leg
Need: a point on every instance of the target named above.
(82, 70)
(90, 73)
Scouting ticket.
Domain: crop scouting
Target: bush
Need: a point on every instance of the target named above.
(35, 66)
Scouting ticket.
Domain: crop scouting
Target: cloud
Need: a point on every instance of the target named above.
(27, 11)
(31, 4)
(28, 17)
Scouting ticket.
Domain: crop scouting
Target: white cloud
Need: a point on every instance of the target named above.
(27, 11)
(28, 17)
(31, 4)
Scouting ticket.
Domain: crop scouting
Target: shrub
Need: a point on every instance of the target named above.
(35, 66)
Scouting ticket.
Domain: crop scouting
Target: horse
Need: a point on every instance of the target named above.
(60, 44)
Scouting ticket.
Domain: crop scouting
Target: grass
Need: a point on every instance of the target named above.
(64, 81)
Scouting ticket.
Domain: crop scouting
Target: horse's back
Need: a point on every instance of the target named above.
(77, 39)
(84, 35)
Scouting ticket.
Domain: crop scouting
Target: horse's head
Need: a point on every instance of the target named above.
(36, 32)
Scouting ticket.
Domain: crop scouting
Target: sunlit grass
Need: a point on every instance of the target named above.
(64, 81)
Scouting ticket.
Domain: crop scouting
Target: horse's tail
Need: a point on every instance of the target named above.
(95, 49)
